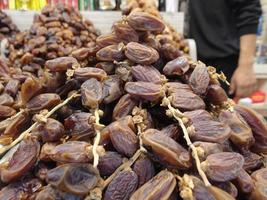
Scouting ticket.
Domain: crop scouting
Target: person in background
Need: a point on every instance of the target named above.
(225, 34)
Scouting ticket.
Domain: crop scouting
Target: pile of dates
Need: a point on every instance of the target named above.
(7, 27)
(134, 125)
(55, 32)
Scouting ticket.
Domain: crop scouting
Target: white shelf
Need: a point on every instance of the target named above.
(261, 71)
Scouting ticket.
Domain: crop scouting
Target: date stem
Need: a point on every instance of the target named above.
(28, 131)
(97, 125)
(178, 116)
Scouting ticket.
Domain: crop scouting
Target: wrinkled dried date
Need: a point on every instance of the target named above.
(141, 54)
(123, 139)
(178, 66)
(61, 64)
(165, 150)
(199, 79)
(145, 170)
(160, 186)
(146, 74)
(91, 91)
(21, 161)
(141, 21)
(122, 186)
(125, 32)
(85, 73)
(223, 166)
(43, 101)
(109, 162)
(111, 53)
(144, 90)
(73, 178)
(124, 107)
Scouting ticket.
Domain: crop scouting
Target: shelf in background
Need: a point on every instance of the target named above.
(261, 71)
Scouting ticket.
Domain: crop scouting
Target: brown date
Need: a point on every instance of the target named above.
(92, 93)
(141, 54)
(241, 134)
(19, 124)
(43, 101)
(223, 166)
(172, 130)
(21, 161)
(50, 193)
(86, 73)
(53, 131)
(12, 87)
(207, 148)
(178, 66)
(199, 80)
(6, 100)
(146, 74)
(228, 187)
(106, 40)
(109, 162)
(125, 32)
(144, 168)
(108, 67)
(258, 126)
(31, 87)
(112, 89)
(78, 125)
(46, 151)
(122, 186)
(75, 178)
(186, 100)
(160, 186)
(83, 53)
(142, 21)
(144, 90)
(124, 107)
(209, 131)
(220, 194)
(216, 95)
(252, 160)
(165, 150)
(173, 87)
(123, 139)
(72, 152)
(244, 182)
(61, 64)
(6, 111)
(111, 53)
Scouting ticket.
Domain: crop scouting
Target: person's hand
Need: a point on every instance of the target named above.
(243, 82)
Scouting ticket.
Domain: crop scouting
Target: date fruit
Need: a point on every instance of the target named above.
(122, 186)
(160, 186)
(144, 90)
(165, 150)
(141, 21)
(223, 166)
(141, 54)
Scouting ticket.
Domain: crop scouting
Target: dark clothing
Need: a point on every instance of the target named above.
(216, 25)
(227, 65)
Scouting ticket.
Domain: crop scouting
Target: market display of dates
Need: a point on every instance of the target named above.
(118, 117)
(7, 27)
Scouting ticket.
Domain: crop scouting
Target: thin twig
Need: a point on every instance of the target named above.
(97, 138)
(22, 135)
(188, 141)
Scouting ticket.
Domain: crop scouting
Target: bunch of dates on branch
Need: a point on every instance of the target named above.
(7, 27)
(134, 124)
